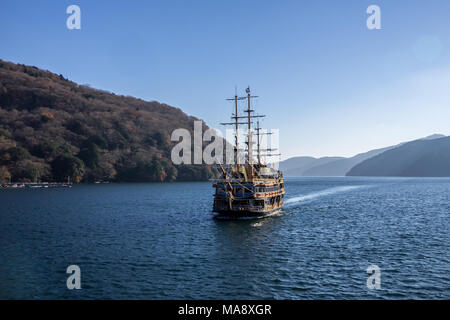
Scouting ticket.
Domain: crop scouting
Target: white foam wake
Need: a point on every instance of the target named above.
(322, 193)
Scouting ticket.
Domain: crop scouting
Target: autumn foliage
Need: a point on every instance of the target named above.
(52, 129)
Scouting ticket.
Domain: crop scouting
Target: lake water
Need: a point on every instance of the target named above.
(159, 241)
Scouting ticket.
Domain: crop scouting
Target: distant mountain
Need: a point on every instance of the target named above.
(296, 162)
(296, 166)
(420, 158)
(52, 128)
(342, 166)
(433, 136)
(332, 166)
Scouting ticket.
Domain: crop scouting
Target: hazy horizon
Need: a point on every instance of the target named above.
(332, 87)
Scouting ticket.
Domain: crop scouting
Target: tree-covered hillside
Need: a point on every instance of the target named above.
(52, 128)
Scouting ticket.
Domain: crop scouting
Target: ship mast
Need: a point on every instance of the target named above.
(236, 124)
(236, 133)
(249, 135)
(258, 128)
(259, 134)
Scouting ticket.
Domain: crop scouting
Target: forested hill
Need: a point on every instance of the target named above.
(52, 128)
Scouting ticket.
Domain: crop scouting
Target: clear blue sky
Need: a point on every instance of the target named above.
(329, 84)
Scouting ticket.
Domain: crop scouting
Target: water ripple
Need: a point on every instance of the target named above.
(159, 241)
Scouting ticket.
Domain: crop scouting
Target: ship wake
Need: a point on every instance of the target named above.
(315, 195)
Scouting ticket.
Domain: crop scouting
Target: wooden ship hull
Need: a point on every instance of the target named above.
(252, 189)
(248, 200)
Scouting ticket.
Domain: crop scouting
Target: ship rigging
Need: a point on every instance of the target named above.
(248, 188)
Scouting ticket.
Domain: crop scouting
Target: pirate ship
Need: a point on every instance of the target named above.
(249, 188)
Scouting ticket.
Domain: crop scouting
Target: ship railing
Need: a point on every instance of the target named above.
(224, 180)
(247, 207)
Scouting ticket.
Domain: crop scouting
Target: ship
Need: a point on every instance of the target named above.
(249, 188)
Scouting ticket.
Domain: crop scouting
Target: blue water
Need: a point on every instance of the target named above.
(159, 241)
